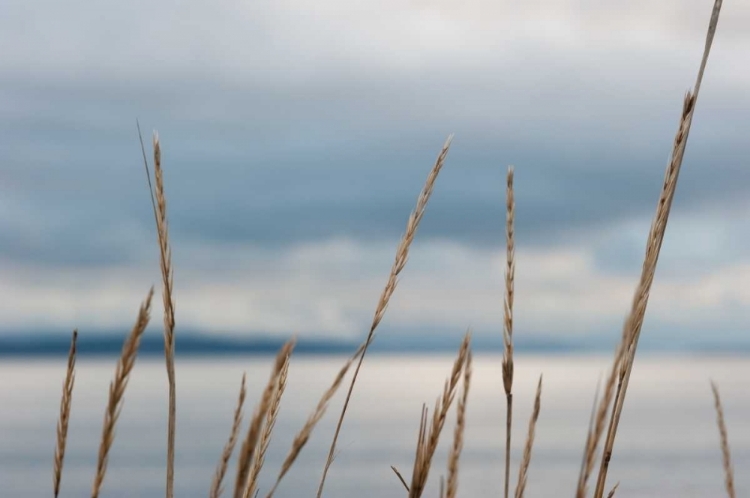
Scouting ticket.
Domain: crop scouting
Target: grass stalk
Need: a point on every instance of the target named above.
(159, 204)
(429, 437)
(226, 454)
(510, 275)
(400, 478)
(402, 254)
(270, 423)
(62, 423)
(726, 456)
(458, 434)
(590, 447)
(523, 471)
(303, 436)
(117, 391)
(625, 356)
(250, 444)
(165, 253)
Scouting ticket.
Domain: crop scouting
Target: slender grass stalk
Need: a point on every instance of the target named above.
(613, 490)
(400, 478)
(589, 448)
(226, 454)
(429, 437)
(117, 391)
(523, 472)
(631, 333)
(169, 322)
(303, 436)
(600, 420)
(510, 275)
(458, 433)
(270, 423)
(65, 406)
(725, 453)
(159, 204)
(402, 254)
(249, 446)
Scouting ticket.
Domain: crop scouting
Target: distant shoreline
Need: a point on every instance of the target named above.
(202, 345)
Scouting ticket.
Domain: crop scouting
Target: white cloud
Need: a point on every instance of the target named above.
(286, 73)
(332, 288)
(296, 42)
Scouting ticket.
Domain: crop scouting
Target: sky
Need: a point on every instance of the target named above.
(297, 135)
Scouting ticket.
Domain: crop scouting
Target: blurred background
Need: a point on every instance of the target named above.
(295, 138)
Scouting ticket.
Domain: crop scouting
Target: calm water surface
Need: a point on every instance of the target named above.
(667, 445)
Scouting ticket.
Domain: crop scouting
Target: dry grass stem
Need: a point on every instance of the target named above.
(726, 456)
(400, 478)
(523, 472)
(62, 423)
(590, 447)
(159, 204)
(429, 437)
(165, 259)
(226, 454)
(270, 423)
(592, 442)
(631, 332)
(613, 490)
(300, 440)
(458, 433)
(402, 254)
(117, 391)
(510, 275)
(249, 445)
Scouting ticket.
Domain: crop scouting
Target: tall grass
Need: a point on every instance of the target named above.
(165, 261)
(510, 276)
(606, 412)
(625, 356)
(65, 406)
(399, 263)
(117, 391)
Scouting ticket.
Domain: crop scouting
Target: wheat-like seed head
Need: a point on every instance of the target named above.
(523, 472)
(510, 273)
(726, 455)
(117, 391)
(250, 444)
(226, 454)
(165, 260)
(265, 439)
(625, 355)
(62, 424)
(402, 254)
(303, 436)
(429, 437)
(458, 433)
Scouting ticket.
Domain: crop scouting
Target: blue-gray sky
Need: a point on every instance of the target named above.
(297, 135)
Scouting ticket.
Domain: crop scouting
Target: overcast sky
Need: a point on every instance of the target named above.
(297, 135)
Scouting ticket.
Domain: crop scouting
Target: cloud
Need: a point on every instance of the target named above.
(293, 131)
(331, 289)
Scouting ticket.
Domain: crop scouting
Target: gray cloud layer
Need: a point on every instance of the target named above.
(284, 124)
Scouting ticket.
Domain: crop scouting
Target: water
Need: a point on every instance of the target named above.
(667, 445)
